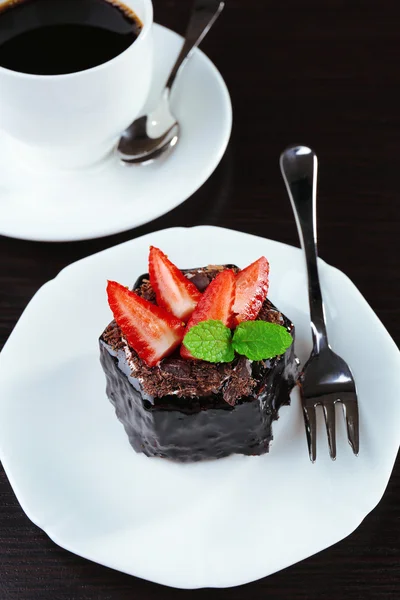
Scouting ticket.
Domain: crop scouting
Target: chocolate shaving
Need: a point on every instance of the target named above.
(177, 367)
(146, 291)
(200, 280)
(241, 382)
(112, 336)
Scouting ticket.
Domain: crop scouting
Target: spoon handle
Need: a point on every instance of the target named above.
(203, 17)
(299, 167)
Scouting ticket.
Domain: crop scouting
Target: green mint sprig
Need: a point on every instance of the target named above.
(259, 340)
(210, 341)
(213, 342)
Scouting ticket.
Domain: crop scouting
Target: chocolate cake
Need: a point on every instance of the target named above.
(189, 410)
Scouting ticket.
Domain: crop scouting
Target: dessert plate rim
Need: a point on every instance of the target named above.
(240, 479)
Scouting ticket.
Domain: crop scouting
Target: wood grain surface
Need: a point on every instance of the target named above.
(325, 74)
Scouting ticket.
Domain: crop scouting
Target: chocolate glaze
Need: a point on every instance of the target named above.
(197, 427)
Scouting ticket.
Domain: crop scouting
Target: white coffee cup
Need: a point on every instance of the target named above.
(74, 120)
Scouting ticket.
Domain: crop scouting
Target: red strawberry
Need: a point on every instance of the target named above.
(149, 330)
(216, 303)
(251, 290)
(174, 291)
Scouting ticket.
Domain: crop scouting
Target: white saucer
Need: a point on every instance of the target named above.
(110, 197)
(216, 523)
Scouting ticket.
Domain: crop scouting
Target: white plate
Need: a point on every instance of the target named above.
(218, 523)
(109, 197)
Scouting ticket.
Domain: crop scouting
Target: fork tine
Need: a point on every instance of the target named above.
(350, 409)
(330, 422)
(311, 430)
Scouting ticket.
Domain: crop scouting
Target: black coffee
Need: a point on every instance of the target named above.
(54, 37)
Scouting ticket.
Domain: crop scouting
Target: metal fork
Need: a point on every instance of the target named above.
(326, 378)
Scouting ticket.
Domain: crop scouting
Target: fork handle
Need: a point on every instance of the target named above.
(299, 166)
(204, 14)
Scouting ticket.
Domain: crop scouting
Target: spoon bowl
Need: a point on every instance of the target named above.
(151, 135)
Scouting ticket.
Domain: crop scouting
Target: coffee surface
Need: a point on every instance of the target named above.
(54, 37)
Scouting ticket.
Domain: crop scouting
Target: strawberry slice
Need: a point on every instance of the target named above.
(216, 303)
(150, 330)
(174, 291)
(251, 290)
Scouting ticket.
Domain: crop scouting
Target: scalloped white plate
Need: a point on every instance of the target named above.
(109, 197)
(219, 523)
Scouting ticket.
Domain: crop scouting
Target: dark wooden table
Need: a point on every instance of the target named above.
(325, 74)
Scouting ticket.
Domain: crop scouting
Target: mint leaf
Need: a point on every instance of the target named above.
(259, 340)
(210, 341)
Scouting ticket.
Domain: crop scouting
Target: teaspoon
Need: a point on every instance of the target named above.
(151, 135)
